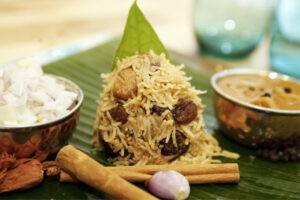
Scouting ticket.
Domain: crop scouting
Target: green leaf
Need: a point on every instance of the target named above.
(138, 36)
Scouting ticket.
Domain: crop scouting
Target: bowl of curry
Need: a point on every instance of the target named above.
(259, 109)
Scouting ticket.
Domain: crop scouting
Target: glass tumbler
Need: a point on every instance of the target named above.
(231, 28)
(285, 40)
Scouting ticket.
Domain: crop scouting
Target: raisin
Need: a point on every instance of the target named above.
(287, 90)
(158, 110)
(119, 114)
(185, 112)
(108, 151)
(169, 148)
(266, 94)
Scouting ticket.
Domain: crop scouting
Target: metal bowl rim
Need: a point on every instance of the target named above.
(240, 71)
(80, 98)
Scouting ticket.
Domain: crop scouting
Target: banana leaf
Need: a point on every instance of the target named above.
(138, 37)
(260, 179)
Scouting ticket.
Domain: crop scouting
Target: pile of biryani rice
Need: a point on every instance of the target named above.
(149, 113)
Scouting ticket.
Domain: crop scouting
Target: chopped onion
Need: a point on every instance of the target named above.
(169, 184)
(29, 96)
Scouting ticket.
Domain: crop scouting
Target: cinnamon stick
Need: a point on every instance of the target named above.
(89, 171)
(131, 176)
(193, 179)
(186, 169)
(65, 177)
(213, 178)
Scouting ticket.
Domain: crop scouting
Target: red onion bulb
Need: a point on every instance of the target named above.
(169, 184)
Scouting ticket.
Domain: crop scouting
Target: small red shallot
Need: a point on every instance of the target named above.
(169, 184)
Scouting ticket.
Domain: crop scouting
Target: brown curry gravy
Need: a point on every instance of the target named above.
(262, 90)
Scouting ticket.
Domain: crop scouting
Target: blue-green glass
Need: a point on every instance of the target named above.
(231, 28)
(285, 43)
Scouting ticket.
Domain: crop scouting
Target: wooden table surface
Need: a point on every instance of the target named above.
(31, 26)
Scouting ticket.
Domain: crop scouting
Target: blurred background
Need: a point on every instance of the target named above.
(231, 33)
(31, 26)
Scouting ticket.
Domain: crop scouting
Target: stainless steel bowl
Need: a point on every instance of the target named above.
(253, 125)
(41, 139)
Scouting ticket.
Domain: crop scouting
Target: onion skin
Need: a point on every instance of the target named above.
(169, 184)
